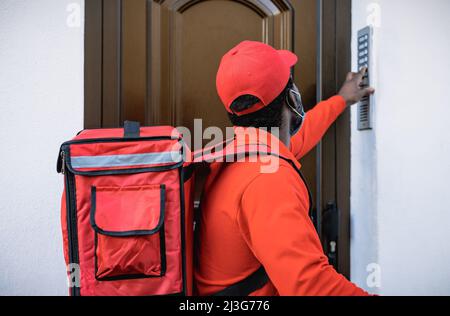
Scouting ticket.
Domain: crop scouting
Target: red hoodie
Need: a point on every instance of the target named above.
(251, 218)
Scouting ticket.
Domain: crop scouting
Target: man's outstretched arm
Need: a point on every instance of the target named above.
(320, 118)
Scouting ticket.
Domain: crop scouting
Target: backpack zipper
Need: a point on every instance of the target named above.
(72, 232)
(63, 162)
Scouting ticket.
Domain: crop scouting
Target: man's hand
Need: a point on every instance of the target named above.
(353, 89)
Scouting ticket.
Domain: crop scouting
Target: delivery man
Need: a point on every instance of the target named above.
(255, 235)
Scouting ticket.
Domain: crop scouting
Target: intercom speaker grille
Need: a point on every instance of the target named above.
(363, 116)
(364, 45)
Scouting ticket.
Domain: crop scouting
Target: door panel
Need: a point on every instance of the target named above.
(201, 49)
(134, 59)
(112, 60)
(333, 153)
(186, 52)
(305, 72)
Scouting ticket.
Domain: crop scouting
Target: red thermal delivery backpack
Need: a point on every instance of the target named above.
(127, 213)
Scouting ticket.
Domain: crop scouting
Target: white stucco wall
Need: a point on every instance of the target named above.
(401, 169)
(41, 103)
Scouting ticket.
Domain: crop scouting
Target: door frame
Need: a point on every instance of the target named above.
(333, 175)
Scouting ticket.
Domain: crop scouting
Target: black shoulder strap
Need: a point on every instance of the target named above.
(250, 284)
(258, 278)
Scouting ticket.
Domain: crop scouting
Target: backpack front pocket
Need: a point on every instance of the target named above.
(129, 231)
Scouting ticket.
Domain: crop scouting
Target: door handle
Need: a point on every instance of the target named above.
(330, 220)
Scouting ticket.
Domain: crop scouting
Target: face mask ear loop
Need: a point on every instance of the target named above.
(293, 109)
(296, 112)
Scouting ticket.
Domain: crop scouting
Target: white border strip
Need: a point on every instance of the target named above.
(125, 160)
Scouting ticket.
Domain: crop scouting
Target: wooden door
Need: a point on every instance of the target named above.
(155, 61)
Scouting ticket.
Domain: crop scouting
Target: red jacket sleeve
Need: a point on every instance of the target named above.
(274, 222)
(317, 122)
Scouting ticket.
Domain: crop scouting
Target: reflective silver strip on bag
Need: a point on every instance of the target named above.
(126, 160)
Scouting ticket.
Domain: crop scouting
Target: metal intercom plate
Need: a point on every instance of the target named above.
(365, 106)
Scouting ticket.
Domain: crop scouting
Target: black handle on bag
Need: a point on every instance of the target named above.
(131, 129)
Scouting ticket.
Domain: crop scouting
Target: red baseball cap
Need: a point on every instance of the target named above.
(256, 69)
